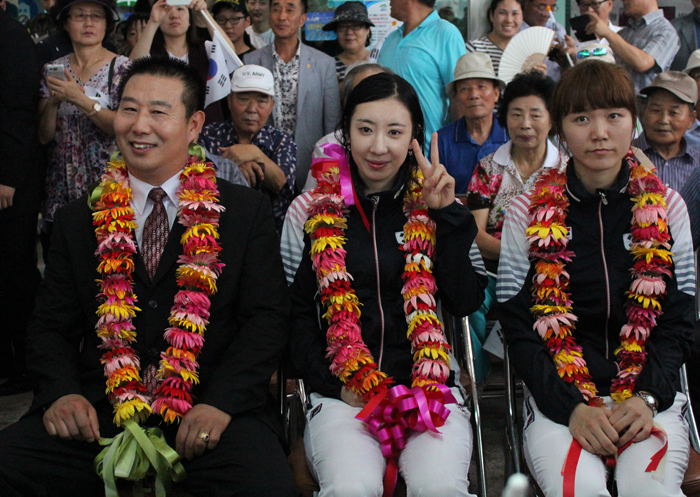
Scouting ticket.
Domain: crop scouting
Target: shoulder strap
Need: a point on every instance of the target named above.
(110, 77)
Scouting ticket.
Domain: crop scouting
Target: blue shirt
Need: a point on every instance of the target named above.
(692, 136)
(426, 58)
(460, 153)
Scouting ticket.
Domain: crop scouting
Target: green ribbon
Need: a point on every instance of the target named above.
(198, 150)
(135, 454)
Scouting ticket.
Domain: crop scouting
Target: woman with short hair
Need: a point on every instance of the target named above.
(596, 284)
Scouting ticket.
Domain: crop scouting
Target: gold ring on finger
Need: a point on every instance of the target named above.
(204, 437)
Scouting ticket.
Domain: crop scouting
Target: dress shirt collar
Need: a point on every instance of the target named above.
(462, 135)
(645, 146)
(278, 59)
(502, 155)
(647, 19)
(140, 190)
(433, 17)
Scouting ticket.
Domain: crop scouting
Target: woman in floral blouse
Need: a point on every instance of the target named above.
(510, 171)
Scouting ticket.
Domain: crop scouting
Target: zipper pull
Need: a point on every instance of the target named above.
(375, 200)
(603, 198)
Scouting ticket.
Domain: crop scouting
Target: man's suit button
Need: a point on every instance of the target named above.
(152, 304)
(153, 352)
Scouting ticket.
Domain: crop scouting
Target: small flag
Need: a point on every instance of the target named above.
(222, 62)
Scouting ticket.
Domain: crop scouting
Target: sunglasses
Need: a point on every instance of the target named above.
(596, 52)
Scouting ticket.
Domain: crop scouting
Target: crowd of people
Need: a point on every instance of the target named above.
(324, 214)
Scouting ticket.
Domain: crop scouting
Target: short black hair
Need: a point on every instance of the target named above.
(131, 20)
(428, 3)
(526, 84)
(222, 5)
(164, 67)
(304, 5)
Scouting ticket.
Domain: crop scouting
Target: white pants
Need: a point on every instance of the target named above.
(346, 460)
(546, 445)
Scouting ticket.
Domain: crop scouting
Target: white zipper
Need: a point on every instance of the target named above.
(375, 202)
(604, 201)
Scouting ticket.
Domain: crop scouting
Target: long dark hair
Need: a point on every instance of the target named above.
(158, 44)
(492, 10)
(380, 87)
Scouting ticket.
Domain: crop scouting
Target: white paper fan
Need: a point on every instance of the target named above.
(527, 48)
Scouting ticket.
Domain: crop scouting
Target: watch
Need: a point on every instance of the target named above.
(649, 400)
(95, 109)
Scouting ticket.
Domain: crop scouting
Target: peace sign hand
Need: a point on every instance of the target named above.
(438, 185)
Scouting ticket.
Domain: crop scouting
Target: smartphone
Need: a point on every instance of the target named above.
(578, 24)
(181, 3)
(57, 71)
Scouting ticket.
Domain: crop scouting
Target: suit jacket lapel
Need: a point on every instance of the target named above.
(304, 80)
(171, 252)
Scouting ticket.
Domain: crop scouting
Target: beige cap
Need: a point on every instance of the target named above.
(681, 85)
(693, 62)
(474, 65)
(253, 78)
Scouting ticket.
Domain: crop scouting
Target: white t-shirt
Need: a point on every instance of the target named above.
(261, 39)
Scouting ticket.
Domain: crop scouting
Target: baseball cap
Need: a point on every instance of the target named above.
(253, 78)
(681, 85)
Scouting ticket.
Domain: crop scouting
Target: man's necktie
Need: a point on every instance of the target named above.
(155, 231)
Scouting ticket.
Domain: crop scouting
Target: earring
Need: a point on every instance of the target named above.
(410, 152)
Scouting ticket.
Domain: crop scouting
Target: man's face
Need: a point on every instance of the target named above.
(666, 118)
(399, 9)
(259, 10)
(601, 8)
(634, 8)
(152, 132)
(535, 12)
(249, 111)
(476, 97)
(286, 18)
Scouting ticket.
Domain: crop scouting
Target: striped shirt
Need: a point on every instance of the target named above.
(514, 263)
(485, 45)
(675, 171)
(691, 195)
(655, 35)
(340, 69)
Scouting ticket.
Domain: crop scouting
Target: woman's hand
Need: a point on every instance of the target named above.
(438, 185)
(632, 419)
(198, 8)
(351, 398)
(158, 12)
(591, 427)
(64, 91)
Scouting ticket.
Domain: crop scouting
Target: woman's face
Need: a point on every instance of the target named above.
(86, 23)
(598, 139)
(176, 22)
(528, 122)
(132, 36)
(380, 137)
(507, 18)
(352, 35)
(233, 23)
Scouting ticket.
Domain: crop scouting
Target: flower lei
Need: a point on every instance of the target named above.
(198, 211)
(389, 412)
(553, 307)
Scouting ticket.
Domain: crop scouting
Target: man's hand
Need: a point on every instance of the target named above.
(351, 398)
(201, 419)
(72, 417)
(632, 419)
(242, 153)
(591, 427)
(253, 172)
(7, 193)
(597, 26)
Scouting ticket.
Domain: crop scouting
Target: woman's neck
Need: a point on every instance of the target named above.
(350, 58)
(176, 45)
(596, 180)
(498, 40)
(86, 55)
(529, 160)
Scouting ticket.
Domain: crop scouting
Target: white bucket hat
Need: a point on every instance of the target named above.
(474, 65)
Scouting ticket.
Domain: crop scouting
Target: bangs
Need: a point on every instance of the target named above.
(592, 85)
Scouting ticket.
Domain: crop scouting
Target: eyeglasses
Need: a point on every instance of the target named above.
(353, 27)
(82, 17)
(597, 52)
(583, 7)
(223, 21)
(543, 7)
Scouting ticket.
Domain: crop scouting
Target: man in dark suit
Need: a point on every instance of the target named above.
(230, 440)
(21, 184)
(687, 28)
